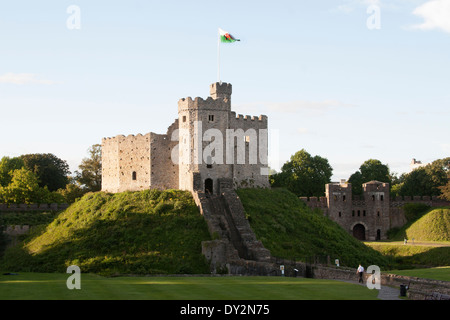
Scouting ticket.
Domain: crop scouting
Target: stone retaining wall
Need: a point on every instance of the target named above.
(32, 207)
(418, 288)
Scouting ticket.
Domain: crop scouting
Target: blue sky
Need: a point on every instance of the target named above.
(327, 82)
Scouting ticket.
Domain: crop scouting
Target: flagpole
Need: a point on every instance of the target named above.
(218, 56)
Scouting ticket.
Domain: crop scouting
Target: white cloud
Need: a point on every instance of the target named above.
(22, 78)
(436, 15)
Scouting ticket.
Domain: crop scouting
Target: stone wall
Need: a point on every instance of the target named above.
(32, 207)
(164, 169)
(251, 137)
(418, 288)
(13, 232)
(126, 163)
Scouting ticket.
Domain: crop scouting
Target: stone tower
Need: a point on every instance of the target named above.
(216, 147)
(377, 198)
(366, 217)
(197, 117)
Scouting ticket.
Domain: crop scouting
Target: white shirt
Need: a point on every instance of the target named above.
(360, 269)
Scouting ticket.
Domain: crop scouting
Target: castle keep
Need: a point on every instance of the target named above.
(208, 148)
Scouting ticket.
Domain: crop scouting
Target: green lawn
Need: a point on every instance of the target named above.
(440, 273)
(52, 286)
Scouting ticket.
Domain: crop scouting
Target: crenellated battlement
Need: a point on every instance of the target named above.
(186, 104)
(220, 90)
(241, 117)
(121, 137)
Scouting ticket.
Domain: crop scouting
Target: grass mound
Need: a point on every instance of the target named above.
(145, 232)
(291, 230)
(412, 256)
(433, 226)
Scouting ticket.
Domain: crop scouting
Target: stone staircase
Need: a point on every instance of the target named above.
(234, 248)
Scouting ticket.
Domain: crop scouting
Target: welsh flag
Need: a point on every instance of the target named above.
(226, 37)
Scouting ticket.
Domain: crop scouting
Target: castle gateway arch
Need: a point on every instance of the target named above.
(359, 231)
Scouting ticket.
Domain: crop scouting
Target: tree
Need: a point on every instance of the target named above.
(91, 170)
(445, 190)
(304, 175)
(50, 170)
(71, 193)
(24, 188)
(370, 170)
(429, 180)
(7, 166)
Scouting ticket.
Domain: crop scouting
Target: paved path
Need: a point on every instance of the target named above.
(389, 293)
(385, 293)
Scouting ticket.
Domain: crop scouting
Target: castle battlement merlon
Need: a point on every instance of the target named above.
(241, 117)
(220, 90)
(199, 103)
(121, 137)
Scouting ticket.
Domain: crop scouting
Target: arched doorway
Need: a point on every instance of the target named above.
(359, 232)
(209, 186)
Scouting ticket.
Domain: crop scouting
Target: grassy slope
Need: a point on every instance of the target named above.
(132, 232)
(439, 273)
(433, 226)
(289, 229)
(410, 256)
(428, 225)
(161, 232)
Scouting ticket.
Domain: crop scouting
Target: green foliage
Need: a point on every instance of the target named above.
(24, 188)
(30, 218)
(33, 178)
(51, 171)
(147, 232)
(90, 176)
(429, 180)
(71, 193)
(7, 167)
(414, 211)
(370, 170)
(289, 229)
(445, 191)
(304, 175)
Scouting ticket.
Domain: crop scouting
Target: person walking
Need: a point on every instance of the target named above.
(361, 272)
